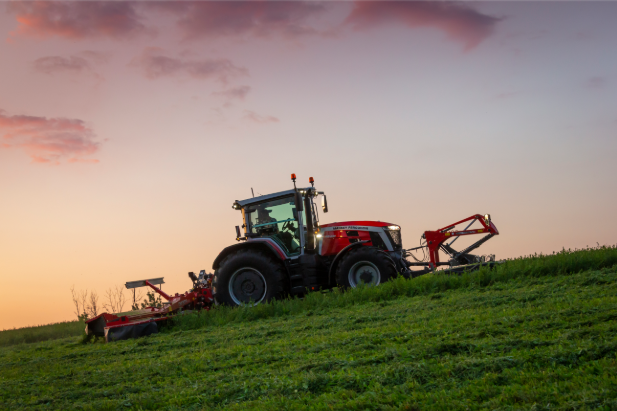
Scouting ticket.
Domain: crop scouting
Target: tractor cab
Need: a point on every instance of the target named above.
(289, 218)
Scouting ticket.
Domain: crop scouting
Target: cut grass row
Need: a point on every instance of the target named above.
(539, 342)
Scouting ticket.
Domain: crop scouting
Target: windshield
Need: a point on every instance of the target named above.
(277, 219)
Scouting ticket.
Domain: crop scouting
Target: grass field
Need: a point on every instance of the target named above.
(535, 333)
(40, 333)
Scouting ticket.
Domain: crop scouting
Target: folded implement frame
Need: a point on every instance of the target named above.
(459, 261)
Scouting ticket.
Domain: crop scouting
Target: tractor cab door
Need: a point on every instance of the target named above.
(279, 220)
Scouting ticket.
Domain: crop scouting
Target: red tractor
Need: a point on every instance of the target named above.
(284, 250)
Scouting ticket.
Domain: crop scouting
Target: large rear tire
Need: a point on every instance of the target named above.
(364, 265)
(248, 277)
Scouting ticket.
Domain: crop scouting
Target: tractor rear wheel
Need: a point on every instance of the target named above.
(366, 265)
(248, 277)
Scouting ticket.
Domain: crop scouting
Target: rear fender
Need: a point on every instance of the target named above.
(263, 244)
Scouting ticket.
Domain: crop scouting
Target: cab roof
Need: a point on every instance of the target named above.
(266, 197)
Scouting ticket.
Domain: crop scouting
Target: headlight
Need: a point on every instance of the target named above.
(394, 233)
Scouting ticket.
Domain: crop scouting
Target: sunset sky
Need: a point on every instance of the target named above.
(127, 129)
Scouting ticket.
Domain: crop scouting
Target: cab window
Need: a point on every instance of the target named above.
(277, 219)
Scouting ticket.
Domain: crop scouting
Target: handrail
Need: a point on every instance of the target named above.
(274, 222)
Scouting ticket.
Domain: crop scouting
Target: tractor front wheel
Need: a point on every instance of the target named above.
(366, 265)
(248, 277)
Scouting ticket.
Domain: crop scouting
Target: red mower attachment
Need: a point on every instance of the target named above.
(462, 260)
(133, 324)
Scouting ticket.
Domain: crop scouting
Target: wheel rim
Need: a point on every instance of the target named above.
(364, 272)
(247, 285)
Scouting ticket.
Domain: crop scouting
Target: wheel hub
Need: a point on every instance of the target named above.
(364, 272)
(247, 285)
(367, 276)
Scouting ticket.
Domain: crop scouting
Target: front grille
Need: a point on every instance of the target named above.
(395, 238)
(377, 241)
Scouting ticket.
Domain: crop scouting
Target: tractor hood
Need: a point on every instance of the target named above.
(355, 225)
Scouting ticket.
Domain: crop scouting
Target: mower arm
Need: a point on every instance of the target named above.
(435, 239)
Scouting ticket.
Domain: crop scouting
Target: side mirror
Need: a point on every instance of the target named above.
(324, 204)
(238, 235)
(295, 213)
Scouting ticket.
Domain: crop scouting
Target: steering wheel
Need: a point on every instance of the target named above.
(289, 226)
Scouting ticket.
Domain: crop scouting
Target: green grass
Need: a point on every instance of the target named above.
(40, 333)
(564, 262)
(535, 333)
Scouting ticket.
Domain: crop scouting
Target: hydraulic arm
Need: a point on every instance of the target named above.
(436, 240)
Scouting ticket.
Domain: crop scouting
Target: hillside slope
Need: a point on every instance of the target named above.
(527, 342)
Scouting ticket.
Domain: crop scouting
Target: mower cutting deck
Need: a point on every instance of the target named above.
(144, 322)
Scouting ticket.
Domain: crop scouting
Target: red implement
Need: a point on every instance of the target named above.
(142, 322)
(435, 240)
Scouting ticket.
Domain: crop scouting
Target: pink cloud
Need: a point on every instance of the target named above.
(260, 18)
(48, 140)
(235, 93)
(59, 64)
(256, 18)
(257, 118)
(154, 64)
(75, 65)
(76, 19)
(459, 21)
(196, 19)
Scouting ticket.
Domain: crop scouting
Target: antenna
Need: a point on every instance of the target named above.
(252, 192)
